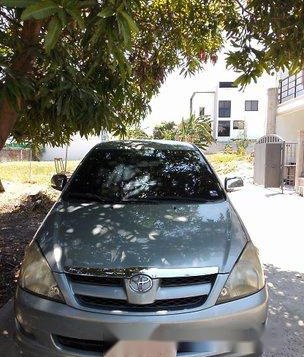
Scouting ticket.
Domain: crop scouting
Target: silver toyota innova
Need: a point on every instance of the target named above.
(143, 244)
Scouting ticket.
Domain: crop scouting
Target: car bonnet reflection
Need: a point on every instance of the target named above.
(121, 236)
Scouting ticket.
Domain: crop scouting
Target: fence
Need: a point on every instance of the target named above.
(291, 87)
(12, 154)
(290, 159)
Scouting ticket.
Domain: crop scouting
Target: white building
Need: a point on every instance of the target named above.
(290, 109)
(76, 150)
(234, 113)
(286, 118)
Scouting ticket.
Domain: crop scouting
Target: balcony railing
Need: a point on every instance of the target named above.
(291, 87)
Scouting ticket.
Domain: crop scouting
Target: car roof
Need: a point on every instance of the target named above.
(152, 144)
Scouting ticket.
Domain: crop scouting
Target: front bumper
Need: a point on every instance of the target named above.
(229, 329)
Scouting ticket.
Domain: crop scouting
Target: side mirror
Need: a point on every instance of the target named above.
(58, 181)
(233, 182)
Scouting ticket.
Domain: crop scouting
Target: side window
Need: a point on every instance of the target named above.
(224, 109)
(238, 124)
(251, 105)
(227, 85)
(223, 129)
(201, 111)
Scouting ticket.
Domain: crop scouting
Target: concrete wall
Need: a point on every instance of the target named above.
(288, 125)
(8, 154)
(272, 105)
(77, 149)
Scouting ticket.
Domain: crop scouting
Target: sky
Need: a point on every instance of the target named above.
(173, 101)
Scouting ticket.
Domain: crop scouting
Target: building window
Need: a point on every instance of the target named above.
(227, 85)
(238, 124)
(223, 128)
(201, 111)
(251, 105)
(224, 108)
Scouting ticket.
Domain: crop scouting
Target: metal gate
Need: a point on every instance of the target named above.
(290, 159)
(269, 161)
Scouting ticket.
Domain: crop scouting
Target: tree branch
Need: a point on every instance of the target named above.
(243, 8)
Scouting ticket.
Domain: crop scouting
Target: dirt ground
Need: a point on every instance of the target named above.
(22, 208)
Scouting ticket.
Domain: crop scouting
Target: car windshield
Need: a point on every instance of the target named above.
(146, 174)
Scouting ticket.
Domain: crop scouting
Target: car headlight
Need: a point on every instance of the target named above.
(36, 275)
(246, 277)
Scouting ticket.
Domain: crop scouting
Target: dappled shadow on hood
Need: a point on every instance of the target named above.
(121, 236)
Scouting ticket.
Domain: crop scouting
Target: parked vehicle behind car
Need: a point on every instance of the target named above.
(143, 244)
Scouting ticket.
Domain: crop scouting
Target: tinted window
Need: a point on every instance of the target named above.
(251, 105)
(140, 174)
(227, 85)
(224, 108)
(223, 128)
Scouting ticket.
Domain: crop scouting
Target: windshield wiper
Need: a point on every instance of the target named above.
(182, 199)
(156, 200)
(139, 200)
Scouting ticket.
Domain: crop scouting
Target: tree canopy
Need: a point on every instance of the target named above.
(134, 132)
(165, 130)
(266, 35)
(196, 130)
(83, 66)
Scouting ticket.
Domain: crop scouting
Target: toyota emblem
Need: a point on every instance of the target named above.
(140, 283)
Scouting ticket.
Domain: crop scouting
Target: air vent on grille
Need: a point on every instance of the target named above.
(84, 345)
(111, 281)
(169, 305)
(188, 280)
(86, 279)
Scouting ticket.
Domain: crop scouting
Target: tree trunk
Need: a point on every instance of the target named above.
(1, 187)
(22, 65)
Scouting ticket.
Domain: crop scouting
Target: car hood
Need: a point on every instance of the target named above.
(165, 235)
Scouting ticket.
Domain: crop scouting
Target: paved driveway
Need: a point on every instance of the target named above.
(276, 225)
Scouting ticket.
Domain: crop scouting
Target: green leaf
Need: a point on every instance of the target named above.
(106, 12)
(125, 31)
(51, 38)
(17, 3)
(40, 10)
(132, 25)
(62, 17)
(76, 15)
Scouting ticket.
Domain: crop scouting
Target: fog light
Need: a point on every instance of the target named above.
(24, 329)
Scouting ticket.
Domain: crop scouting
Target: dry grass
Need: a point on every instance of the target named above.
(41, 172)
(227, 163)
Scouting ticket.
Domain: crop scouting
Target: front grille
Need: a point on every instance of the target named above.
(83, 345)
(113, 292)
(188, 280)
(98, 280)
(165, 282)
(123, 305)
